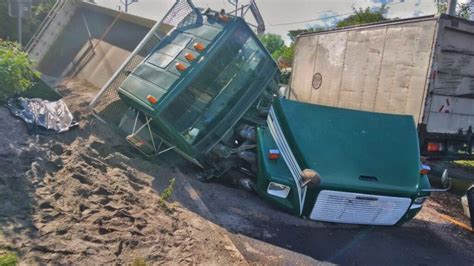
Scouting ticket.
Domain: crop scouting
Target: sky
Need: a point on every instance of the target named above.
(283, 15)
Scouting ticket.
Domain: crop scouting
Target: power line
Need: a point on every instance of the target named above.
(311, 20)
(324, 18)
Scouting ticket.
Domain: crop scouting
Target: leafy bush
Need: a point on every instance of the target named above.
(8, 25)
(16, 72)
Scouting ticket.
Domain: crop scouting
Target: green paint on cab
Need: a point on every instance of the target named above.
(352, 151)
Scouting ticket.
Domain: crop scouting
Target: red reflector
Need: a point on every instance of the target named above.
(434, 147)
(273, 154)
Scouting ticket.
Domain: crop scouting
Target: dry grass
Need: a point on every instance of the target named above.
(139, 262)
(8, 259)
(469, 164)
(166, 194)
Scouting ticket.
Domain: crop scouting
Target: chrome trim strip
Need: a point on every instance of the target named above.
(287, 155)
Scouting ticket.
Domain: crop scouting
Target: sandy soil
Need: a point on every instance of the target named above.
(84, 197)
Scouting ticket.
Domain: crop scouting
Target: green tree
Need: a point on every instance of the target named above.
(462, 10)
(360, 16)
(8, 25)
(16, 72)
(272, 42)
(363, 16)
(282, 53)
(294, 33)
(286, 52)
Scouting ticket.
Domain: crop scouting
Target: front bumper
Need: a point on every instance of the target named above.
(357, 208)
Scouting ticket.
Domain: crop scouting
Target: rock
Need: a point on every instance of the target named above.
(104, 231)
(62, 230)
(57, 149)
(102, 191)
(82, 207)
(81, 178)
(45, 205)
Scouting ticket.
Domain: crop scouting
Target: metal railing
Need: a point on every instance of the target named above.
(40, 34)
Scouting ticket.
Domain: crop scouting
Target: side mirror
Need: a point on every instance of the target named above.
(310, 178)
(445, 182)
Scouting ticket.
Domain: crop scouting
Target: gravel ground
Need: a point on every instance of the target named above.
(85, 197)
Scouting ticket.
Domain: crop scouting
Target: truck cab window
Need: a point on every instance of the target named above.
(201, 105)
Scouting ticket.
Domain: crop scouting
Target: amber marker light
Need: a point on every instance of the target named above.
(199, 47)
(273, 154)
(425, 169)
(224, 18)
(151, 99)
(180, 67)
(190, 57)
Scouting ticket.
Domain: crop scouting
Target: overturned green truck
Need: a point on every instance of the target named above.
(209, 90)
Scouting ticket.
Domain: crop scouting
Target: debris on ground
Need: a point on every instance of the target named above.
(449, 204)
(52, 116)
(83, 197)
(443, 212)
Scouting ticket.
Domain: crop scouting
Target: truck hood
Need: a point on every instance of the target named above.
(353, 150)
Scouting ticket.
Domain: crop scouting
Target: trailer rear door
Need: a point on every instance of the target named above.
(380, 68)
(451, 98)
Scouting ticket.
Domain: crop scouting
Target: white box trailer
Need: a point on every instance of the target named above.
(421, 66)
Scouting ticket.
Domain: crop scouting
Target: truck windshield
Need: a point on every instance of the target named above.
(225, 78)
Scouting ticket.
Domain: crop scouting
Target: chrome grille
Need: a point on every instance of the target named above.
(355, 208)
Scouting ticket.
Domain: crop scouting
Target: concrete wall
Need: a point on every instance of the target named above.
(102, 65)
(72, 53)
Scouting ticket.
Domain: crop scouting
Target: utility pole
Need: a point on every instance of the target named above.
(20, 15)
(471, 5)
(235, 3)
(126, 3)
(452, 7)
(19, 9)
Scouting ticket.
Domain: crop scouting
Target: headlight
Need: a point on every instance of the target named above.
(419, 201)
(278, 190)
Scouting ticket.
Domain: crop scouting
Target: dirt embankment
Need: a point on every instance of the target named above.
(84, 197)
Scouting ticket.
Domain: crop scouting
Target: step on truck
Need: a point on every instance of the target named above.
(209, 91)
(419, 66)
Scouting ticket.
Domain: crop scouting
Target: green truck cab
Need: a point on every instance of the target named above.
(366, 166)
(200, 85)
(209, 91)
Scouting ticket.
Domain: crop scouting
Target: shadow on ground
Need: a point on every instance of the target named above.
(263, 233)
